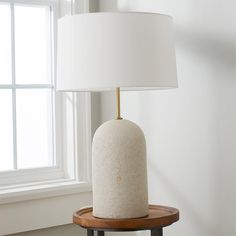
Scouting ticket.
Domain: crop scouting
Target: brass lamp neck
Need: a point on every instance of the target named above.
(118, 117)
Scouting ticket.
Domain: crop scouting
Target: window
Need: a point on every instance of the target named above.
(35, 120)
(26, 87)
(40, 130)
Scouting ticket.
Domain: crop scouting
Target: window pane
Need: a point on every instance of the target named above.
(5, 44)
(34, 128)
(32, 44)
(6, 145)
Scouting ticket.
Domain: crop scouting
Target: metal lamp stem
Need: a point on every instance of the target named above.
(118, 117)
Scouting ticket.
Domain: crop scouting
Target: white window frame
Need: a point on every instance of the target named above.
(76, 168)
(33, 174)
(68, 186)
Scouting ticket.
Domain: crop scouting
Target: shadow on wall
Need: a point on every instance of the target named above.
(191, 214)
(213, 48)
(191, 136)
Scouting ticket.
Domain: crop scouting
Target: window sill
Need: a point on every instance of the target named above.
(41, 190)
(42, 205)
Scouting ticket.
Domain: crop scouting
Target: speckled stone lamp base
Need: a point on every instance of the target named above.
(119, 171)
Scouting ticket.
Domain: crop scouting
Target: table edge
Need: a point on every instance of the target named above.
(165, 222)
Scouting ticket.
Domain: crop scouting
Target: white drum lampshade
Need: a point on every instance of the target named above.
(113, 51)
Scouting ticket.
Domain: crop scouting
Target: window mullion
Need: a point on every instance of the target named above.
(13, 88)
(52, 30)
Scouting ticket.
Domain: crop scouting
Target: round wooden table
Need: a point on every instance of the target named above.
(158, 218)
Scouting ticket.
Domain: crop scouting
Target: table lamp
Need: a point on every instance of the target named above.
(117, 51)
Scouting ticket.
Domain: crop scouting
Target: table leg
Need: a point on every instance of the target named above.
(157, 232)
(90, 232)
(100, 233)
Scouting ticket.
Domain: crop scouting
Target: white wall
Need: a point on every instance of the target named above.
(191, 131)
(68, 230)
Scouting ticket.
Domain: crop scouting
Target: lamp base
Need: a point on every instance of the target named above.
(119, 171)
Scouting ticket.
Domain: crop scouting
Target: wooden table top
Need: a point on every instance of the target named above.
(159, 217)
